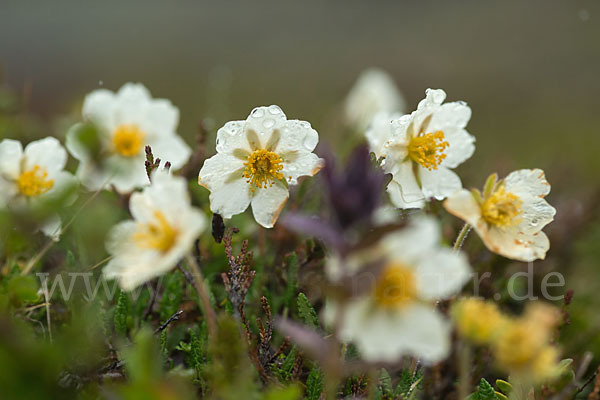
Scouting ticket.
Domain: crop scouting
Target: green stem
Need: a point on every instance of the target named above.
(462, 235)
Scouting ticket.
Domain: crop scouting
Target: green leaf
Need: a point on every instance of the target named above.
(485, 391)
(314, 384)
(121, 312)
(307, 312)
(172, 295)
(386, 383)
(504, 386)
(291, 392)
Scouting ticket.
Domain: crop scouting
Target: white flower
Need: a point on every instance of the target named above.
(256, 160)
(373, 92)
(509, 215)
(380, 131)
(423, 147)
(34, 175)
(127, 121)
(163, 230)
(394, 314)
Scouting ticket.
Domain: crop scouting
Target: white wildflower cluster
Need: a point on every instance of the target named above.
(401, 277)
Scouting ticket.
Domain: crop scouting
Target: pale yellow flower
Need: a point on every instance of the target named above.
(509, 215)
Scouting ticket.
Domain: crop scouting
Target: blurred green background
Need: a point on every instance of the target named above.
(530, 70)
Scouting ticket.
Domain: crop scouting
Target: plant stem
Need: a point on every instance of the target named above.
(202, 290)
(462, 235)
(464, 366)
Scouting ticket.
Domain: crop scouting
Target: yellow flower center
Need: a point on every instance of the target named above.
(428, 149)
(263, 168)
(34, 182)
(127, 140)
(396, 287)
(502, 208)
(158, 234)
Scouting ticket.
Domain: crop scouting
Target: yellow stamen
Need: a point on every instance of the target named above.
(34, 182)
(127, 140)
(502, 208)
(263, 168)
(158, 234)
(428, 149)
(396, 286)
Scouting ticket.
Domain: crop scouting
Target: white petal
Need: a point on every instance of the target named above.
(98, 107)
(442, 273)
(161, 116)
(232, 137)
(461, 147)
(450, 117)
(64, 183)
(296, 137)
(521, 247)
(463, 205)
(387, 335)
(74, 145)
(220, 169)
(403, 189)
(306, 165)
(374, 91)
(231, 198)
(47, 153)
(268, 203)
(536, 214)
(11, 152)
(439, 183)
(420, 237)
(264, 121)
(380, 131)
(125, 173)
(171, 148)
(8, 190)
(51, 227)
(527, 182)
(120, 236)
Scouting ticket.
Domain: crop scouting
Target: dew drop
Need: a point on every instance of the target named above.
(258, 112)
(268, 123)
(275, 110)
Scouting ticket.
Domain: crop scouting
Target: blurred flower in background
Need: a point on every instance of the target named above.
(374, 91)
(125, 122)
(34, 176)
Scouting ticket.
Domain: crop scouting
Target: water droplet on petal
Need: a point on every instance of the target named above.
(258, 112)
(268, 123)
(275, 110)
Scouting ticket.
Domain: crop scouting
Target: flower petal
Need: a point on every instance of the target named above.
(385, 335)
(47, 153)
(461, 146)
(232, 137)
(442, 273)
(220, 169)
(296, 137)
(264, 121)
(306, 165)
(98, 108)
(230, 198)
(268, 203)
(171, 148)
(530, 182)
(403, 189)
(438, 183)
(11, 152)
(462, 205)
(521, 247)
(419, 238)
(536, 214)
